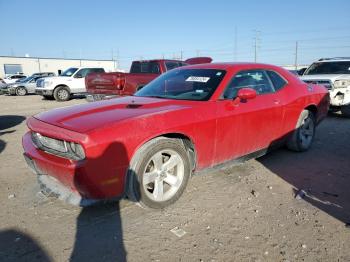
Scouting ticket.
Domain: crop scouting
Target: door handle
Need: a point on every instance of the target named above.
(276, 102)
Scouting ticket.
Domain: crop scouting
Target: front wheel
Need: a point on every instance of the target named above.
(61, 93)
(159, 172)
(303, 135)
(21, 91)
(345, 110)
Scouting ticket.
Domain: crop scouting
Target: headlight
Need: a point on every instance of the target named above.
(341, 83)
(47, 83)
(59, 147)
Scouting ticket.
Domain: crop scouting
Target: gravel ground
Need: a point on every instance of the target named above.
(247, 212)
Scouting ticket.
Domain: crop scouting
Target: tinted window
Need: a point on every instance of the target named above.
(184, 84)
(145, 67)
(69, 71)
(277, 81)
(337, 67)
(97, 70)
(171, 65)
(255, 79)
(85, 71)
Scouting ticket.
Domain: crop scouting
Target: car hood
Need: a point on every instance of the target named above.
(86, 117)
(331, 77)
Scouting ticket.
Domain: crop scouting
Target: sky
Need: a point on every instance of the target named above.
(131, 30)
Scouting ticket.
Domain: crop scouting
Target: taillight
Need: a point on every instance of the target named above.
(119, 81)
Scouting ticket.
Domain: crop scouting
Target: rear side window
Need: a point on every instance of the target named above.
(277, 81)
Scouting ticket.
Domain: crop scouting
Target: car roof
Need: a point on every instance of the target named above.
(231, 65)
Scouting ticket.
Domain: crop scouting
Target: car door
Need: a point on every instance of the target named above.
(244, 127)
(31, 85)
(78, 80)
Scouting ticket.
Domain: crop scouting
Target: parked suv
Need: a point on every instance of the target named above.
(71, 81)
(334, 74)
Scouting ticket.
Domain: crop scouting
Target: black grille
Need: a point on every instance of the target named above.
(326, 83)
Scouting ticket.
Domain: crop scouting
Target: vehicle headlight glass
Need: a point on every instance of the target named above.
(59, 147)
(341, 83)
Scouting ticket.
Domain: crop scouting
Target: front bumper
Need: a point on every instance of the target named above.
(44, 92)
(340, 97)
(77, 182)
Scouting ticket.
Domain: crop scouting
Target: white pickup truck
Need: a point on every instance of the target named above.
(334, 74)
(71, 81)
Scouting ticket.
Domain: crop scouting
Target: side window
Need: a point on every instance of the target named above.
(83, 72)
(171, 65)
(277, 81)
(255, 79)
(97, 70)
(135, 67)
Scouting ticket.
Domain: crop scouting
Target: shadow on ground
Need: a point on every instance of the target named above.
(18, 246)
(8, 121)
(323, 172)
(99, 234)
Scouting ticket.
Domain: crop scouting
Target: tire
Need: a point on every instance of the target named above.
(151, 181)
(304, 133)
(21, 91)
(345, 110)
(61, 94)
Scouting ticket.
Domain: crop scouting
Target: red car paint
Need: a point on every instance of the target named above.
(111, 131)
(122, 84)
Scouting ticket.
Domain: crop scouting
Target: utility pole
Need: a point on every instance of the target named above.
(181, 55)
(256, 42)
(235, 46)
(296, 56)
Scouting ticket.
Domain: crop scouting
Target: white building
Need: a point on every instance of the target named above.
(29, 65)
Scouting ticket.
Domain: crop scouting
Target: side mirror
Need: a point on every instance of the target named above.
(246, 93)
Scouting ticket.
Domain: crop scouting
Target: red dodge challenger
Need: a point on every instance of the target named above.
(185, 121)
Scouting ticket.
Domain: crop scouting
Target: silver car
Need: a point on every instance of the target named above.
(23, 86)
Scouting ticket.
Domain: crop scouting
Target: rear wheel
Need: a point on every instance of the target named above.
(303, 135)
(61, 93)
(345, 110)
(21, 91)
(159, 172)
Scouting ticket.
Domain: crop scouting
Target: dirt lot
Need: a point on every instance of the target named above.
(244, 213)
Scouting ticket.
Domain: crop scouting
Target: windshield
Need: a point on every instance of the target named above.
(321, 68)
(24, 80)
(184, 84)
(69, 71)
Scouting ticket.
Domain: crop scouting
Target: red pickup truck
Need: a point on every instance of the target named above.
(101, 86)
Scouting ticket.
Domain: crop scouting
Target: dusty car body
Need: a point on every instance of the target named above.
(334, 74)
(23, 87)
(186, 121)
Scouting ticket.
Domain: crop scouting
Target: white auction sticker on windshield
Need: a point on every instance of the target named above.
(201, 79)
